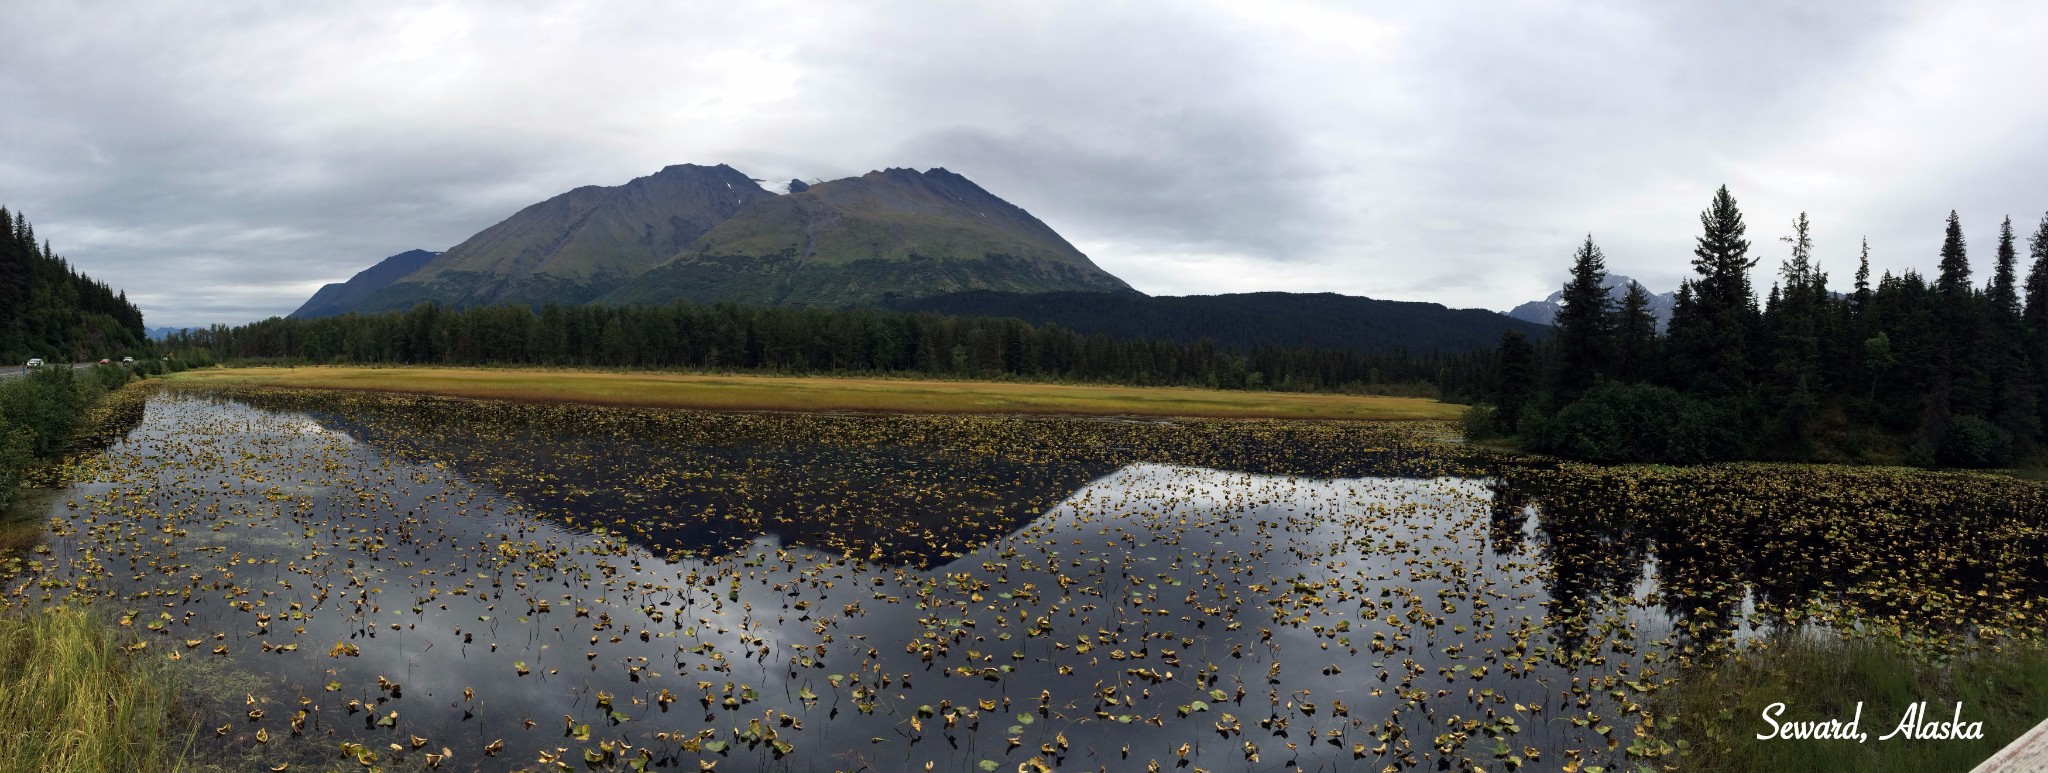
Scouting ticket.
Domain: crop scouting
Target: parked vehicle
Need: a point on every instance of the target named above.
(127, 360)
(32, 364)
(105, 361)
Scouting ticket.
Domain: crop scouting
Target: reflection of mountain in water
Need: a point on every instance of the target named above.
(904, 489)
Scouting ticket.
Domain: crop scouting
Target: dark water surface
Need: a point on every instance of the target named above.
(506, 586)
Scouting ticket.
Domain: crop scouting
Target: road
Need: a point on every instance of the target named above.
(17, 371)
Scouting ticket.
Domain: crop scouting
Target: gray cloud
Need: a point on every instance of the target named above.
(220, 162)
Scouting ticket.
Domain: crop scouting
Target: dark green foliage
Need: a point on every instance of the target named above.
(1246, 320)
(1635, 336)
(1617, 423)
(1714, 320)
(1585, 326)
(800, 340)
(38, 413)
(1974, 442)
(1514, 381)
(50, 311)
(1905, 369)
(2034, 323)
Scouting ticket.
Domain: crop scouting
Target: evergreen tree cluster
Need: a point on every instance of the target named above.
(1941, 371)
(51, 311)
(684, 336)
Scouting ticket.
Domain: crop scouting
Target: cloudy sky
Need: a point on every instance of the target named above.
(220, 161)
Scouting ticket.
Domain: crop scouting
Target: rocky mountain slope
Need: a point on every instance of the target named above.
(871, 240)
(579, 245)
(710, 233)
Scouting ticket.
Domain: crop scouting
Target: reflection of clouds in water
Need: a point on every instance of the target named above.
(399, 542)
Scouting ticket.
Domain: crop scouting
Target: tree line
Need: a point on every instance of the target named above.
(1904, 368)
(729, 337)
(50, 310)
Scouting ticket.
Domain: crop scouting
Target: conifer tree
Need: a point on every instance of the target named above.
(1514, 381)
(2034, 321)
(1585, 326)
(1714, 322)
(1963, 384)
(2003, 351)
(1795, 320)
(1635, 334)
(1862, 297)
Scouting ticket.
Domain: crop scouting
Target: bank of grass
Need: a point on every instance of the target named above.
(73, 699)
(1718, 708)
(830, 393)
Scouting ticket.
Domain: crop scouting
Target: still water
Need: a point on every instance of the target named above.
(471, 585)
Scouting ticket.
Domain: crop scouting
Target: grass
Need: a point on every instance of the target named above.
(73, 699)
(1718, 708)
(834, 393)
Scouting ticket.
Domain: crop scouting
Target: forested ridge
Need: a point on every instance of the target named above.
(49, 310)
(1246, 320)
(803, 340)
(1904, 368)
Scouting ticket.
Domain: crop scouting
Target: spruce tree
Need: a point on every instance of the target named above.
(1712, 326)
(1963, 384)
(2034, 321)
(1635, 335)
(1795, 321)
(2002, 349)
(1514, 381)
(1862, 297)
(1585, 326)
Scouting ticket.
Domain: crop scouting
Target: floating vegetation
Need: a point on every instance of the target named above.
(457, 585)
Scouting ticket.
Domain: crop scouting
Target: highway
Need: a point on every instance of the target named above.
(18, 371)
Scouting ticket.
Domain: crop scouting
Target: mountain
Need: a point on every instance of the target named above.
(579, 245)
(342, 297)
(1543, 311)
(161, 333)
(872, 240)
(1245, 320)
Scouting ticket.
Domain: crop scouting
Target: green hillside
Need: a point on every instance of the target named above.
(578, 245)
(51, 311)
(871, 240)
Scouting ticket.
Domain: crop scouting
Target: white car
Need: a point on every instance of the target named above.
(127, 360)
(33, 363)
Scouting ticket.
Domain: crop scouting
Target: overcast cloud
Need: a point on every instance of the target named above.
(220, 163)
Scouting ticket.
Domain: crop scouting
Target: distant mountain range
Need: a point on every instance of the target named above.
(1544, 311)
(896, 239)
(710, 233)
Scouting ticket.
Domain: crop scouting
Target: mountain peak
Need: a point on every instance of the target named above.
(711, 233)
(1544, 311)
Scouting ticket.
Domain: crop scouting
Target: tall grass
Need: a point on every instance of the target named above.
(1718, 707)
(71, 698)
(831, 393)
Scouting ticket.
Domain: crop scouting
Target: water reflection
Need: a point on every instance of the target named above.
(523, 585)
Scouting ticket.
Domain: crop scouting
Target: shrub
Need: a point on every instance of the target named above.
(46, 404)
(1618, 423)
(1974, 442)
(1479, 422)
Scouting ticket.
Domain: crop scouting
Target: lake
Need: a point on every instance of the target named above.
(425, 582)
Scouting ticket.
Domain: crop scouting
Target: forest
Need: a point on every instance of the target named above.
(729, 337)
(1905, 368)
(51, 311)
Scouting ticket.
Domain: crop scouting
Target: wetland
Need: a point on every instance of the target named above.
(406, 582)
